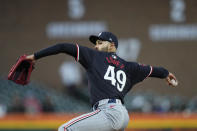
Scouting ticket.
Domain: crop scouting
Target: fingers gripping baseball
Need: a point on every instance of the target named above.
(171, 80)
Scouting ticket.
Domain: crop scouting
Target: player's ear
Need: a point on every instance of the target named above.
(112, 47)
(112, 44)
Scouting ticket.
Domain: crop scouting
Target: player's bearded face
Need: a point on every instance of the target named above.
(102, 45)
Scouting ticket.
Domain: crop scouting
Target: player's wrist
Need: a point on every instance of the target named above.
(31, 57)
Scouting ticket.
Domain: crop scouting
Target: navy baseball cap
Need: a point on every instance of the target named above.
(105, 36)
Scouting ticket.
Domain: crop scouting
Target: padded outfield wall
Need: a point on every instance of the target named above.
(138, 122)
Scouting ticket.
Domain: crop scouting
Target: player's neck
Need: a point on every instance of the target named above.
(112, 50)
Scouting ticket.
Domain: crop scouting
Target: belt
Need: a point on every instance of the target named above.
(106, 101)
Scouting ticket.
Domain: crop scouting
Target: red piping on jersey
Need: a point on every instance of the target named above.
(151, 70)
(77, 52)
(81, 118)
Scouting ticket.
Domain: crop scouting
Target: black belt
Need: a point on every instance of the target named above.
(95, 106)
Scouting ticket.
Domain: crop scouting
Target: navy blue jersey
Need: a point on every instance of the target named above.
(110, 76)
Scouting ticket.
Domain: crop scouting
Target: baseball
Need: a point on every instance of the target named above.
(173, 82)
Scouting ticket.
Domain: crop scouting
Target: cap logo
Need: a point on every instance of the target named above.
(110, 39)
(100, 34)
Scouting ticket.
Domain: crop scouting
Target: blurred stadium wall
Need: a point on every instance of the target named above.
(155, 32)
(163, 33)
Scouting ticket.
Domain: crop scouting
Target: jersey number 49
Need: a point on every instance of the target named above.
(117, 78)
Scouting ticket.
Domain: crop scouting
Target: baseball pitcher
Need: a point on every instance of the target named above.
(110, 78)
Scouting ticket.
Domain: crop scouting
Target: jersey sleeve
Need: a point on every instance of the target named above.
(67, 48)
(82, 54)
(85, 56)
(159, 72)
(140, 71)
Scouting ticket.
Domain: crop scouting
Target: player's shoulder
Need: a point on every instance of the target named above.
(130, 64)
(81, 47)
(126, 64)
(87, 50)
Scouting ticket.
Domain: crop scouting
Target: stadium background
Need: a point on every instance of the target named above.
(155, 32)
